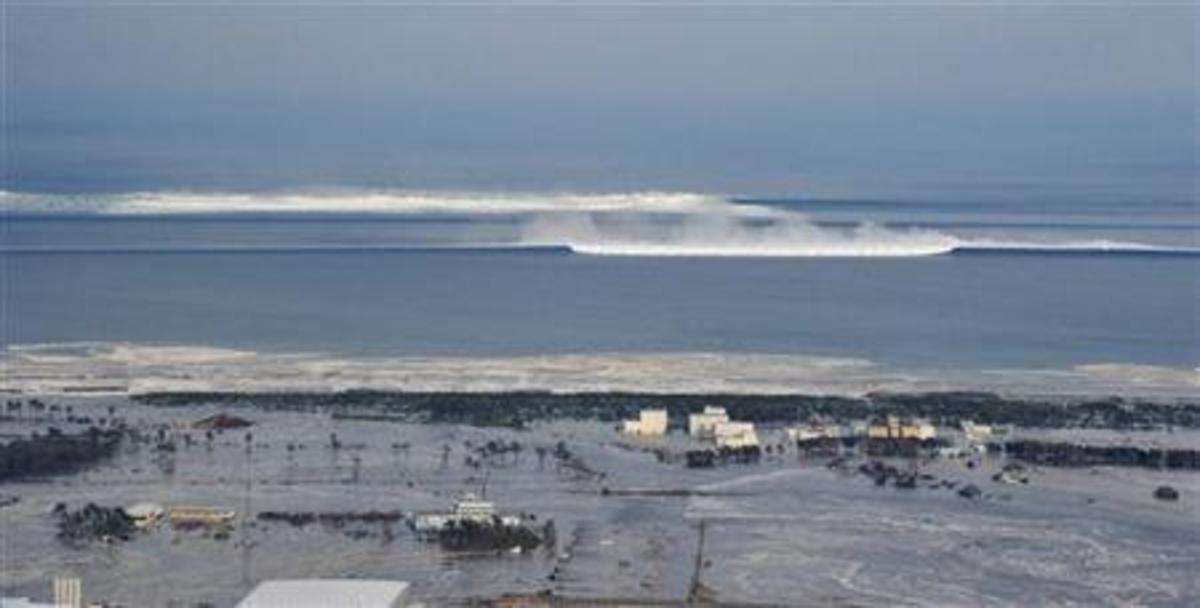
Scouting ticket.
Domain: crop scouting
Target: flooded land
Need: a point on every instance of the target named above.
(322, 491)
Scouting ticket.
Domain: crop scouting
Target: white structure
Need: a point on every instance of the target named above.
(468, 508)
(814, 430)
(649, 422)
(145, 514)
(704, 424)
(22, 602)
(735, 435)
(68, 593)
(976, 433)
(323, 593)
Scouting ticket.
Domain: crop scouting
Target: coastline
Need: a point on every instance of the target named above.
(124, 368)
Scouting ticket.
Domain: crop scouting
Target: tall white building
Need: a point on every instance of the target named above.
(704, 424)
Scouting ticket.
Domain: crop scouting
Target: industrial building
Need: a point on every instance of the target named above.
(735, 435)
(704, 424)
(893, 428)
(323, 593)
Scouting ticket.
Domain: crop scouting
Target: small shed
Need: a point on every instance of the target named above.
(322, 593)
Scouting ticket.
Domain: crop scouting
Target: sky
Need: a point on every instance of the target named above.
(956, 100)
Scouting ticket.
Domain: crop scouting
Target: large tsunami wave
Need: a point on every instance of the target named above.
(612, 224)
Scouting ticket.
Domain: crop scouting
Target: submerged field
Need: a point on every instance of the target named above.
(787, 531)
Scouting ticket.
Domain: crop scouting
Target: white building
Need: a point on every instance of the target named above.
(704, 424)
(322, 593)
(735, 435)
(648, 423)
(468, 508)
(145, 514)
(976, 433)
(816, 430)
(68, 593)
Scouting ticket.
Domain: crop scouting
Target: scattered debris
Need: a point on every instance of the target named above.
(708, 458)
(1166, 493)
(145, 515)
(220, 422)
(93, 522)
(881, 473)
(335, 519)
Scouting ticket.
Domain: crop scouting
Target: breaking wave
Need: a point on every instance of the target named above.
(767, 234)
(395, 202)
(648, 224)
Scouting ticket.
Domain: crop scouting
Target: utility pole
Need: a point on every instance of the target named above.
(697, 592)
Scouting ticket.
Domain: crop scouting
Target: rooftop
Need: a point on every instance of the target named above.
(321, 593)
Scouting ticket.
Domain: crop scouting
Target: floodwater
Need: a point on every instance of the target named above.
(785, 531)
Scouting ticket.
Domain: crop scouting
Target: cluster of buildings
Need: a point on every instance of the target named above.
(892, 427)
(970, 438)
(711, 424)
(147, 515)
(469, 508)
(889, 427)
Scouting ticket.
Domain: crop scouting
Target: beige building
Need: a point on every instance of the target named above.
(648, 423)
(894, 428)
(200, 516)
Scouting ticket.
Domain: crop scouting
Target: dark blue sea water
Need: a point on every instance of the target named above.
(1065, 285)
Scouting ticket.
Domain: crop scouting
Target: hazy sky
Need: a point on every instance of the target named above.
(904, 100)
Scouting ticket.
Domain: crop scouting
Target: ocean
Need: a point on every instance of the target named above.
(900, 284)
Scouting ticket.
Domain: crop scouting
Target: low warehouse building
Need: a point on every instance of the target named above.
(323, 593)
(736, 435)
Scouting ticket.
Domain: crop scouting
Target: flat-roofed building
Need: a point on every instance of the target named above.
(815, 430)
(735, 435)
(893, 428)
(918, 429)
(648, 423)
(200, 516)
(324, 593)
(704, 424)
(976, 433)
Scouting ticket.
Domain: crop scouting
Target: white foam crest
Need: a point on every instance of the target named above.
(1097, 246)
(365, 201)
(121, 368)
(759, 234)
